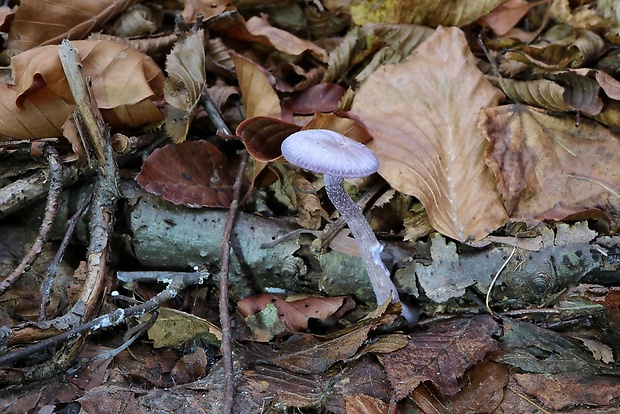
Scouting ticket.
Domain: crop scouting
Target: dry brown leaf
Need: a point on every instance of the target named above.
(440, 354)
(139, 20)
(542, 162)
(422, 114)
(424, 12)
(259, 97)
(124, 82)
(208, 9)
(293, 312)
(263, 136)
(566, 390)
(40, 115)
(608, 83)
(295, 189)
(192, 173)
(507, 15)
(186, 79)
(185, 66)
(561, 47)
(345, 126)
(364, 404)
(580, 15)
(482, 392)
(41, 22)
(120, 74)
(284, 41)
(573, 93)
(322, 97)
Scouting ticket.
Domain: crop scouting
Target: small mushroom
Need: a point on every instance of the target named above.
(338, 157)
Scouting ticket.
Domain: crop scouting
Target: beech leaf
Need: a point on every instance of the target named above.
(41, 114)
(185, 66)
(440, 354)
(263, 136)
(41, 22)
(192, 173)
(259, 97)
(543, 163)
(124, 80)
(422, 114)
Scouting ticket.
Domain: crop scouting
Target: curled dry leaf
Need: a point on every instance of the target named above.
(193, 173)
(567, 91)
(284, 41)
(258, 30)
(40, 22)
(560, 48)
(120, 74)
(40, 115)
(543, 162)
(422, 114)
(124, 83)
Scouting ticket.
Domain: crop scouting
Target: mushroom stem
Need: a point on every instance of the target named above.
(369, 246)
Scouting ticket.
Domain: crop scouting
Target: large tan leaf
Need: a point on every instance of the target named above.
(546, 165)
(422, 114)
(44, 22)
(425, 12)
(120, 74)
(41, 115)
(259, 97)
(124, 81)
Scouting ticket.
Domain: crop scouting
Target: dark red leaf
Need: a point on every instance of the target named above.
(263, 136)
(193, 173)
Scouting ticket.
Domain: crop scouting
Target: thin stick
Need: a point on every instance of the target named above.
(46, 286)
(55, 177)
(226, 347)
(488, 298)
(111, 319)
(214, 114)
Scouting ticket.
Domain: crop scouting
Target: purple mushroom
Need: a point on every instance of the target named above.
(338, 157)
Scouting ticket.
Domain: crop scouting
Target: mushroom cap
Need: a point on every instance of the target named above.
(328, 152)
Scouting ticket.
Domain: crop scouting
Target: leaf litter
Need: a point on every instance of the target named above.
(510, 153)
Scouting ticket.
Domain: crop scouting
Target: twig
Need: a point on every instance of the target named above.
(25, 191)
(111, 319)
(55, 177)
(46, 286)
(226, 346)
(214, 114)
